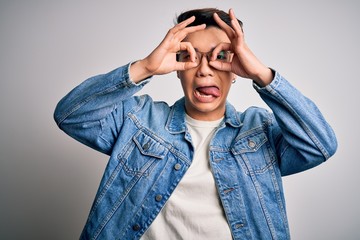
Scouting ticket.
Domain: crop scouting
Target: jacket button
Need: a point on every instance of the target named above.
(146, 146)
(177, 166)
(136, 227)
(251, 144)
(239, 225)
(158, 198)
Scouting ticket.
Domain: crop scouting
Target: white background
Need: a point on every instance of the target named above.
(48, 181)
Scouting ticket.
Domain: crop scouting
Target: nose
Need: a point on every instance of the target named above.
(204, 69)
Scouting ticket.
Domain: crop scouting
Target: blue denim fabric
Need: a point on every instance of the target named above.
(150, 151)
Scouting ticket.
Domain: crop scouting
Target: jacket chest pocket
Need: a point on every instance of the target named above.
(254, 152)
(142, 154)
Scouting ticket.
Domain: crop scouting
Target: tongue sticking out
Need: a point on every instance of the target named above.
(214, 91)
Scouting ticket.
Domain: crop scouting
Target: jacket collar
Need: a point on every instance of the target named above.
(176, 120)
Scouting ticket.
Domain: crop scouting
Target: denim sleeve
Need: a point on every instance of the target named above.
(95, 104)
(302, 137)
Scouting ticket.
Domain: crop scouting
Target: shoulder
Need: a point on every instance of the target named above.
(145, 111)
(141, 102)
(256, 117)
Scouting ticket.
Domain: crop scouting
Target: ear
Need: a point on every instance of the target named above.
(233, 77)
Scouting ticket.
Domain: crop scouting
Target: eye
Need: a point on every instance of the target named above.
(184, 56)
(222, 55)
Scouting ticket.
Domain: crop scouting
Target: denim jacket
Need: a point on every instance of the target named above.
(150, 150)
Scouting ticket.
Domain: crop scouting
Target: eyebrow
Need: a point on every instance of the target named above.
(197, 50)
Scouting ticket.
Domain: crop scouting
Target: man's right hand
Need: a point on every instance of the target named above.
(163, 59)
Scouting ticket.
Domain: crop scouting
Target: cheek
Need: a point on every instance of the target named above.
(183, 75)
(185, 78)
(227, 79)
(186, 85)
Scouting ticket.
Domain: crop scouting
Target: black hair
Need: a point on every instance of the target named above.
(205, 15)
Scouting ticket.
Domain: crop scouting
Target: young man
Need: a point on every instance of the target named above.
(198, 169)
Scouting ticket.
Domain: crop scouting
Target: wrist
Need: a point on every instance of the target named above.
(264, 77)
(138, 71)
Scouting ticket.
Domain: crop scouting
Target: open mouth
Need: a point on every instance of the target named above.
(207, 92)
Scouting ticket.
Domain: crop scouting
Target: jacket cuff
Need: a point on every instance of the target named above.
(274, 83)
(142, 82)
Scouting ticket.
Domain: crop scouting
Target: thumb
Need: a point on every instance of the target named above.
(181, 66)
(222, 66)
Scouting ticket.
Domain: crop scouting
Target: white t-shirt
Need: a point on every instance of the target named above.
(194, 209)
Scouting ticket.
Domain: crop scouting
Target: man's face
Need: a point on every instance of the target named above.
(206, 88)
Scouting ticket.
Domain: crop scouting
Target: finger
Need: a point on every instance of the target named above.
(228, 30)
(220, 47)
(235, 23)
(181, 34)
(186, 22)
(182, 66)
(189, 65)
(222, 66)
(187, 46)
(181, 25)
(237, 29)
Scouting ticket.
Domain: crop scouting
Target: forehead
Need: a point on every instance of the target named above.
(207, 39)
